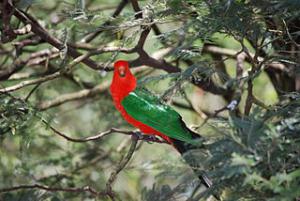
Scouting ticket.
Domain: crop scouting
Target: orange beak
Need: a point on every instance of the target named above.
(121, 70)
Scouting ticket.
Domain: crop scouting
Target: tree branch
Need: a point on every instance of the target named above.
(100, 135)
(54, 189)
(232, 54)
(30, 82)
(43, 34)
(40, 31)
(118, 10)
(46, 78)
(240, 59)
(33, 59)
(8, 33)
(74, 96)
(120, 167)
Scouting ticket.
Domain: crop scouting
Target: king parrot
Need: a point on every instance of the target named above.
(146, 112)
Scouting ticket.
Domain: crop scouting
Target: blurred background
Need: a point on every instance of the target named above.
(205, 56)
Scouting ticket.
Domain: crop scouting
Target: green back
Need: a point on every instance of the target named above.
(148, 109)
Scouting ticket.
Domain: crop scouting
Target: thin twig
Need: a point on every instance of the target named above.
(48, 77)
(100, 135)
(34, 59)
(73, 96)
(54, 189)
(232, 54)
(240, 60)
(30, 82)
(121, 166)
(289, 34)
(40, 31)
(31, 91)
(254, 66)
(118, 10)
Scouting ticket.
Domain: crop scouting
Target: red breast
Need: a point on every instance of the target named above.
(123, 83)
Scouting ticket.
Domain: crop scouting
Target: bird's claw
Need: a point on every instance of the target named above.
(147, 138)
(150, 139)
(139, 135)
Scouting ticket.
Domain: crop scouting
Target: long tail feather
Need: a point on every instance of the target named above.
(183, 148)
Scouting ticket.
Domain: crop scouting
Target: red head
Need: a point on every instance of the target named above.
(123, 80)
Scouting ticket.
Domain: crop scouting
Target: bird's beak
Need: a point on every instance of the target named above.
(121, 71)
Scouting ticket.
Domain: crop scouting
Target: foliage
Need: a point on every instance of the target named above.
(229, 67)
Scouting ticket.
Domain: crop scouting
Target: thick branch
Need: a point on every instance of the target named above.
(40, 31)
(46, 78)
(7, 32)
(37, 29)
(145, 59)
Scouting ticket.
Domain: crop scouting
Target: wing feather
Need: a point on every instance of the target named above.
(148, 109)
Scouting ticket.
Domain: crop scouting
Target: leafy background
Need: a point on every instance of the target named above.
(250, 153)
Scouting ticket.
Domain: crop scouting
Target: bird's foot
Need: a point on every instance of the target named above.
(151, 138)
(139, 135)
(147, 138)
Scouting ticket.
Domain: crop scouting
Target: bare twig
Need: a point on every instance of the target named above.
(249, 99)
(144, 58)
(30, 82)
(215, 114)
(289, 34)
(31, 92)
(85, 189)
(260, 103)
(100, 135)
(118, 10)
(240, 60)
(94, 51)
(232, 54)
(121, 166)
(7, 72)
(24, 30)
(33, 59)
(30, 40)
(74, 96)
(254, 66)
(46, 78)
(40, 31)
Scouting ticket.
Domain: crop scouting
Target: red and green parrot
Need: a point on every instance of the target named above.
(146, 112)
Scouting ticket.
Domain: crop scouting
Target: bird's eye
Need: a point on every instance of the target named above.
(121, 71)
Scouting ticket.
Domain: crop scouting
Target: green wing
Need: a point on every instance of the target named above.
(147, 108)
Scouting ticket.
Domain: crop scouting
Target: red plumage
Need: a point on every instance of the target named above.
(123, 83)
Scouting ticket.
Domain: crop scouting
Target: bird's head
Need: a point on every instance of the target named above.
(123, 80)
(121, 68)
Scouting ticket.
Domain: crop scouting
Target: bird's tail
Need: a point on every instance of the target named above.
(184, 148)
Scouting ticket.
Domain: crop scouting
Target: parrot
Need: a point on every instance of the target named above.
(145, 111)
